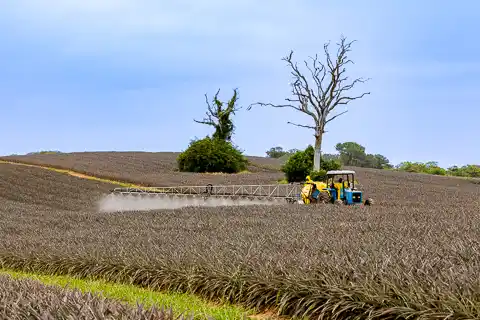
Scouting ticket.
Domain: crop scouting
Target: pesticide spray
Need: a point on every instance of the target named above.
(118, 203)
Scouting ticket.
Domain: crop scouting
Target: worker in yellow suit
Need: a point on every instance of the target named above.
(338, 186)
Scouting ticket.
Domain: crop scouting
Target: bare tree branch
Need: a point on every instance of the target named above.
(326, 87)
(330, 84)
(220, 117)
(211, 114)
(301, 125)
(335, 116)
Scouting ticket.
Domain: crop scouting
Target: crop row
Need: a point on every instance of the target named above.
(28, 299)
(33, 186)
(370, 262)
(417, 253)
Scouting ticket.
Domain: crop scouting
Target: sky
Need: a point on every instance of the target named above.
(131, 75)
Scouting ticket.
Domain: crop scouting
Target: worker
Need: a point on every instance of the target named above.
(340, 181)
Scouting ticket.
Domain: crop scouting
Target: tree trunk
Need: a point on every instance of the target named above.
(318, 149)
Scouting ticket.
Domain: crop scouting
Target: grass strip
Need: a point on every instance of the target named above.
(180, 303)
(31, 299)
(290, 297)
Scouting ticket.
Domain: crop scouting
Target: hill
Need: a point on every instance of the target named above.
(159, 169)
(46, 189)
(150, 168)
(420, 243)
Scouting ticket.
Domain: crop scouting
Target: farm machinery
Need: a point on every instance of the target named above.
(342, 191)
(339, 188)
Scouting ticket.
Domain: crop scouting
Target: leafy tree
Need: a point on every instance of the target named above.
(318, 96)
(211, 155)
(454, 171)
(297, 167)
(409, 166)
(319, 175)
(276, 152)
(351, 153)
(330, 156)
(377, 161)
(469, 170)
(300, 165)
(430, 167)
(219, 116)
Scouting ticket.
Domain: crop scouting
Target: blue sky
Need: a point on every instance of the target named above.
(86, 75)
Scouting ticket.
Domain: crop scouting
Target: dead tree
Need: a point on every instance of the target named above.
(219, 117)
(318, 96)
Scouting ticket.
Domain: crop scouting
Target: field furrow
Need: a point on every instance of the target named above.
(414, 254)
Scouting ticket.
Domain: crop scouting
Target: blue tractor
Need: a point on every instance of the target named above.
(340, 185)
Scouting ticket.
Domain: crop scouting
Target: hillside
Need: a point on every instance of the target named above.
(23, 185)
(150, 168)
(159, 169)
(419, 243)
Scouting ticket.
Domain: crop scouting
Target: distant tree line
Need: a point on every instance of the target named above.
(432, 167)
(316, 92)
(353, 154)
(349, 154)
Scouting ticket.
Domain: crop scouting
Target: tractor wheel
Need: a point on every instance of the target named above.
(369, 202)
(323, 197)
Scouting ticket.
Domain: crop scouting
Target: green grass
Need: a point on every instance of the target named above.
(179, 302)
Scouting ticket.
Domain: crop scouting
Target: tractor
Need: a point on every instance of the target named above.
(339, 188)
(342, 191)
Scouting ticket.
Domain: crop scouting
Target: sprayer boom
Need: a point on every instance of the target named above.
(288, 192)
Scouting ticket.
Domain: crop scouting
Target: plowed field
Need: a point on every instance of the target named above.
(150, 169)
(48, 189)
(415, 254)
(158, 169)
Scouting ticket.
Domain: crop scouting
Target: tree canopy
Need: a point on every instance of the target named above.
(353, 154)
(278, 152)
(219, 116)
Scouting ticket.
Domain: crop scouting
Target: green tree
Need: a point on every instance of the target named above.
(211, 155)
(330, 156)
(300, 165)
(472, 171)
(276, 152)
(219, 116)
(318, 90)
(377, 161)
(409, 166)
(351, 153)
(469, 170)
(430, 167)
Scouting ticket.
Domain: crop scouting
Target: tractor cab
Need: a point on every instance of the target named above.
(341, 186)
